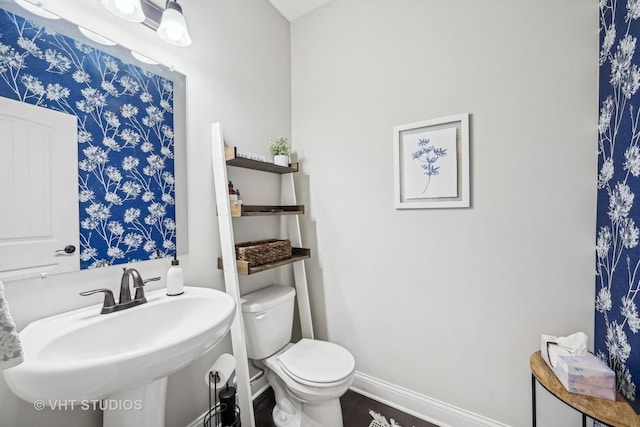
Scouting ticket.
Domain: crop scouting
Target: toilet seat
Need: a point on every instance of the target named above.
(317, 363)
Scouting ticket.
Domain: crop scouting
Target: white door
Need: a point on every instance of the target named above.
(38, 191)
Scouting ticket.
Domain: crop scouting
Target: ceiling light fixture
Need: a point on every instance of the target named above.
(131, 10)
(168, 23)
(173, 27)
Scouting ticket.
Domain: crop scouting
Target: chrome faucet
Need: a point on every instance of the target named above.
(125, 301)
(125, 293)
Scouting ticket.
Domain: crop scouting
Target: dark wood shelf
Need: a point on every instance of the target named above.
(265, 210)
(232, 159)
(246, 268)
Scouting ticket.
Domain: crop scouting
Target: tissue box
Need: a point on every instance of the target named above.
(586, 375)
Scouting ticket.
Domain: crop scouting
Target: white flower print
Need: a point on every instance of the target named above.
(603, 300)
(603, 242)
(606, 173)
(629, 233)
(630, 312)
(617, 343)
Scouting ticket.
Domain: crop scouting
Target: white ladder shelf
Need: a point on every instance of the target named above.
(230, 267)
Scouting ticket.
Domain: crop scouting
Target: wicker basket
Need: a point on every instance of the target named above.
(263, 251)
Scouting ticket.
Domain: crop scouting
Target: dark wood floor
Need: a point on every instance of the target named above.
(355, 411)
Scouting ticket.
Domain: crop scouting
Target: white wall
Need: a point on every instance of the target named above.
(238, 73)
(451, 303)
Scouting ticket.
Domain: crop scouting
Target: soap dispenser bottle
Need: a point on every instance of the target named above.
(175, 285)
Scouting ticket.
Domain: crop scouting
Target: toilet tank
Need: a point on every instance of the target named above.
(268, 320)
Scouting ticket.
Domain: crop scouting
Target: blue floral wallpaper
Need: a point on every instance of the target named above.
(125, 137)
(617, 323)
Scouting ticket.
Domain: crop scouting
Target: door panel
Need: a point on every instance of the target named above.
(38, 190)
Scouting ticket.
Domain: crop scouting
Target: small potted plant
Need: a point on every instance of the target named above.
(279, 148)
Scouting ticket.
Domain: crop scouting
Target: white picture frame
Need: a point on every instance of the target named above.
(432, 163)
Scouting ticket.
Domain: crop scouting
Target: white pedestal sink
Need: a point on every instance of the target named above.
(119, 362)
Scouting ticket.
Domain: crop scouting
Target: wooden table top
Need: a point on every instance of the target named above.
(618, 413)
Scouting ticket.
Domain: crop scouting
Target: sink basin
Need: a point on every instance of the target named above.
(84, 355)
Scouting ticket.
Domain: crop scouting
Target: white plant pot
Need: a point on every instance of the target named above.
(281, 160)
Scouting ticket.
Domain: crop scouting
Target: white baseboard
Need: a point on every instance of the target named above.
(405, 400)
(420, 406)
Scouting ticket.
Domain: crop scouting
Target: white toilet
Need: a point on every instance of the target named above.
(308, 377)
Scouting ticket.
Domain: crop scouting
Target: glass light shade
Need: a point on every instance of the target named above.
(173, 27)
(131, 10)
(36, 9)
(96, 37)
(142, 58)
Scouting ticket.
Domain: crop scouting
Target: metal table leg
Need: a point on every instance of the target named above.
(533, 402)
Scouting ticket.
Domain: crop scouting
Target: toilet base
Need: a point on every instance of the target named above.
(291, 412)
(322, 414)
(327, 413)
(285, 419)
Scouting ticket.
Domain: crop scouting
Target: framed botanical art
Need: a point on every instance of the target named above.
(432, 163)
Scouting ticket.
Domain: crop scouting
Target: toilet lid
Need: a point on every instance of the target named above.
(317, 362)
